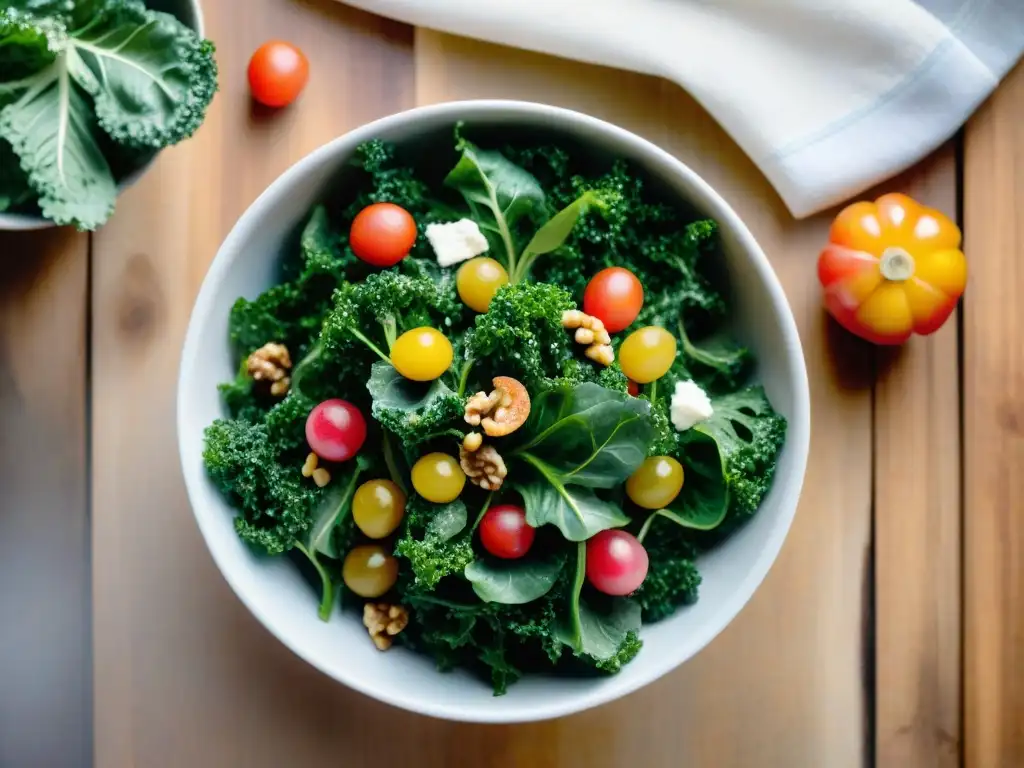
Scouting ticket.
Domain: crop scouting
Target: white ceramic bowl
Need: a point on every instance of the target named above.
(188, 13)
(274, 590)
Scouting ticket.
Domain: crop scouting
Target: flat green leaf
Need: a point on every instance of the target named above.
(150, 76)
(488, 181)
(331, 510)
(392, 391)
(557, 230)
(704, 500)
(412, 410)
(51, 127)
(588, 435)
(448, 522)
(602, 628)
(512, 582)
(576, 511)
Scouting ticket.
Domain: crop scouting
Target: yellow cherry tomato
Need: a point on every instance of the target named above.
(378, 507)
(369, 570)
(478, 280)
(655, 483)
(422, 354)
(437, 477)
(647, 354)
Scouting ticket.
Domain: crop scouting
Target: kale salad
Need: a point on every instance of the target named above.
(493, 408)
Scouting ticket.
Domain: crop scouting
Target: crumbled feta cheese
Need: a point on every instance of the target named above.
(456, 241)
(690, 405)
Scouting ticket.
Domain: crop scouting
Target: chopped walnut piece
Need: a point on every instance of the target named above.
(601, 353)
(383, 622)
(271, 363)
(311, 461)
(472, 441)
(591, 332)
(321, 477)
(501, 412)
(484, 467)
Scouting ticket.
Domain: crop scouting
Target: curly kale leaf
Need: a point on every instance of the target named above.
(432, 544)
(274, 504)
(52, 128)
(672, 576)
(150, 76)
(253, 465)
(521, 335)
(749, 434)
(137, 75)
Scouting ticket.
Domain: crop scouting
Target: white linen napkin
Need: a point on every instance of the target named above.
(827, 97)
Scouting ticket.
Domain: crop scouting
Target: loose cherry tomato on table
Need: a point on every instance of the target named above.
(278, 72)
(369, 570)
(616, 562)
(378, 507)
(614, 296)
(647, 354)
(505, 533)
(437, 477)
(382, 234)
(892, 268)
(655, 483)
(478, 280)
(335, 430)
(422, 354)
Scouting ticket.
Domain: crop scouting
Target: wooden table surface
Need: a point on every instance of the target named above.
(890, 632)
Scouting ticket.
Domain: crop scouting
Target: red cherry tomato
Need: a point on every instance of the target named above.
(505, 533)
(614, 296)
(335, 430)
(278, 72)
(633, 388)
(616, 562)
(382, 234)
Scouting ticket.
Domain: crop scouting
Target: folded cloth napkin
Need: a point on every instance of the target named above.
(827, 97)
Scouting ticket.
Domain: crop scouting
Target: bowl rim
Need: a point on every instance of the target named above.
(24, 222)
(798, 438)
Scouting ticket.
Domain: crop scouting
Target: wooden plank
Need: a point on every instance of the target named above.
(917, 529)
(44, 530)
(993, 374)
(184, 675)
(782, 686)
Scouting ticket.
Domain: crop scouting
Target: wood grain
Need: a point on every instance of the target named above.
(44, 524)
(183, 674)
(994, 431)
(917, 523)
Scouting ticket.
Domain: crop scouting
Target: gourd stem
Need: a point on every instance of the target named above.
(896, 264)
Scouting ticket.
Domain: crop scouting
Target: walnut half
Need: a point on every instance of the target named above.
(483, 467)
(271, 363)
(591, 332)
(501, 412)
(383, 622)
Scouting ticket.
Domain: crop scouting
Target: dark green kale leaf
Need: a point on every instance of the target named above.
(672, 576)
(432, 543)
(521, 335)
(414, 411)
(255, 466)
(749, 434)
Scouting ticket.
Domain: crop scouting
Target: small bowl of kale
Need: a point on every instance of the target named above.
(90, 92)
(405, 283)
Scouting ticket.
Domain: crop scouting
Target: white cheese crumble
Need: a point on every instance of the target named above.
(456, 241)
(690, 405)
